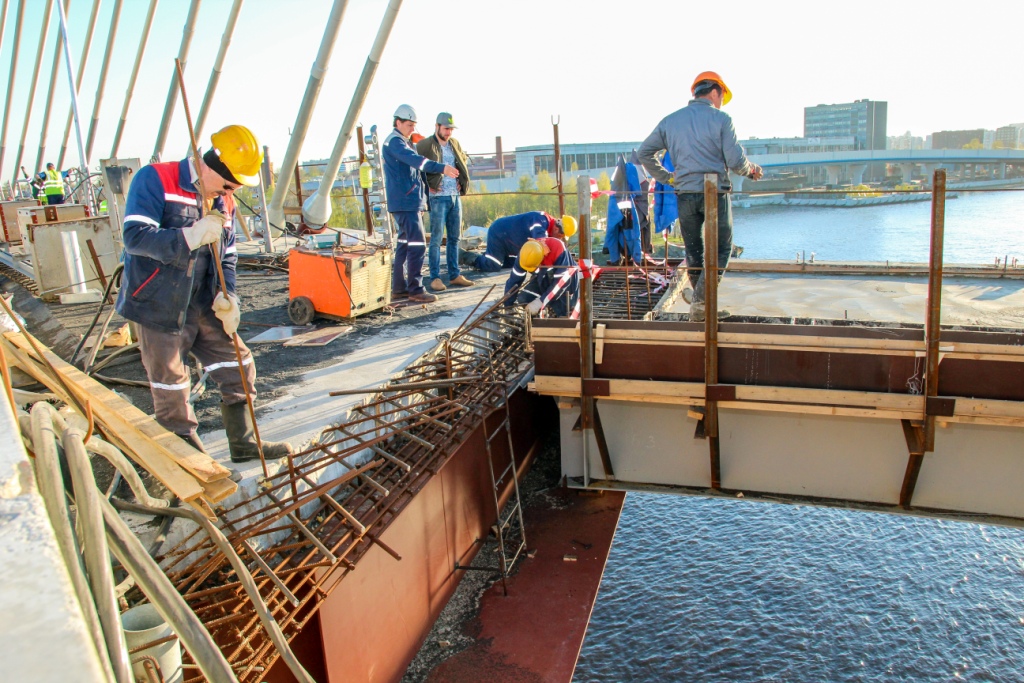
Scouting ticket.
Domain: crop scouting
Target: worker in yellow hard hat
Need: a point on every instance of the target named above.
(699, 139)
(555, 282)
(507, 235)
(170, 287)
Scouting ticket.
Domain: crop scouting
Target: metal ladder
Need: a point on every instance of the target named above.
(509, 531)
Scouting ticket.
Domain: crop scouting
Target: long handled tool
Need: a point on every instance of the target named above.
(215, 252)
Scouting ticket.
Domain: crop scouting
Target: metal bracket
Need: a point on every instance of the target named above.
(940, 406)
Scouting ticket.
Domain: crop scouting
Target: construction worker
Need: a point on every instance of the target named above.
(700, 138)
(170, 286)
(407, 200)
(555, 282)
(37, 183)
(53, 186)
(507, 235)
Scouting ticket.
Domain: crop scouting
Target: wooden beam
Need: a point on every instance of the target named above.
(914, 436)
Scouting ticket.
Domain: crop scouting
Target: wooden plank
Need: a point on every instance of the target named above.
(216, 491)
(135, 445)
(117, 411)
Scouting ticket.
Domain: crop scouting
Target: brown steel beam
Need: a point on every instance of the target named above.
(711, 323)
(915, 445)
(932, 325)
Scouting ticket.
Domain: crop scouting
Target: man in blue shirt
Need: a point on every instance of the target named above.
(407, 200)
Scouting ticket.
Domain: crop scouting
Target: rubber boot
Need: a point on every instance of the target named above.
(242, 436)
(193, 440)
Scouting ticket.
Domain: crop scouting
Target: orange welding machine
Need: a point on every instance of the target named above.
(340, 282)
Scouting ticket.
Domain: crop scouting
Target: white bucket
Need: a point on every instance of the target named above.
(143, 624)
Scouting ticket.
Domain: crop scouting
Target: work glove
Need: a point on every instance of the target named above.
(206, 230)
(226, 310)
(533, 308)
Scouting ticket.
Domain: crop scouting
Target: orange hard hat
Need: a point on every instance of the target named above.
(712, 76)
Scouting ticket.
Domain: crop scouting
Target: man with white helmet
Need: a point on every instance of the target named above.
(170, 286)
(407, 201)
(699, 138)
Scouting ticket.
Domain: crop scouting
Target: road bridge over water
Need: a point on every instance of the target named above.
(855, 163)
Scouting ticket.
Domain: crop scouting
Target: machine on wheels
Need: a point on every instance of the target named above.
(338, 283)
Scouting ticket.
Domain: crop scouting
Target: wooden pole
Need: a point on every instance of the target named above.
(215, 253)
(932, 325)
(711, 322)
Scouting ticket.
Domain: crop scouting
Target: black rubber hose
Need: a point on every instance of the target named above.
(39, 321)
(115, 279)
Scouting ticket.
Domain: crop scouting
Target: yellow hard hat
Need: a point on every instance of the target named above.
(712, 76)
(531, 255)
(568, 226)
(240, 151)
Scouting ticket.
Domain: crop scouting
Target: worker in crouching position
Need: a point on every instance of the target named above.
(507, 235)
(555, 281)
(170, 286)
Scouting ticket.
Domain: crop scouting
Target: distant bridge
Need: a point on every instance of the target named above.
(857, 162)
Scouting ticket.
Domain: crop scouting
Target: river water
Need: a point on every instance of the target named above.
(709, 590)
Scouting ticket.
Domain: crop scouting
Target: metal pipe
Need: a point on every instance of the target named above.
(49, 100)
(90, 31)
(115, 18)
(218, 66)
(3, 20)
(172, 92)
(933, 324)
(43, 35)
(146, 28)
(10, 82)
(316, 210)
(97, 557)
(301, 127)
(90, 199)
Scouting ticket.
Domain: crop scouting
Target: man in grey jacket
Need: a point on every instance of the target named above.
(700, 138)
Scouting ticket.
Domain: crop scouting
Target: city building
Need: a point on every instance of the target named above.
(905, 141)
(591, 158)
(957, 139)
(865, 120)
(1009, 137)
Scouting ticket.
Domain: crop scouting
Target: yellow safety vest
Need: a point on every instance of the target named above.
(53, 184)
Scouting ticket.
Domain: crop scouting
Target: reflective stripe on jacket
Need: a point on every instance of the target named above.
(402, 168)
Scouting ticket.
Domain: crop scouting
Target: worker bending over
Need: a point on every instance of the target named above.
(170, 286)
(555, 281)
(508, 234)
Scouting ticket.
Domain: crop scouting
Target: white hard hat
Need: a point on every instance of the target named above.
(406, 113)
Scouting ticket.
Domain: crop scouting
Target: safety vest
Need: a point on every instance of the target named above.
(53, 184)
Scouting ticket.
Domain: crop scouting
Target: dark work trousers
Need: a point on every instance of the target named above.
(165, 356)
(497, 255)
(407, 275)
(691, 223)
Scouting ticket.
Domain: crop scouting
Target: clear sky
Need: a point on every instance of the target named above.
(609, 69)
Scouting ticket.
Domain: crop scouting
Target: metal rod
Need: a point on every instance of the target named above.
(434, 384)
(130, 90)
(305, 113)
(83, 157)
(48, 108)
(10, 81)
(933, 323)
(215, 253)
(115, 18)
(172, 92)
(90, 31)
(711, 320)
(43, 34)
(558, 173)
